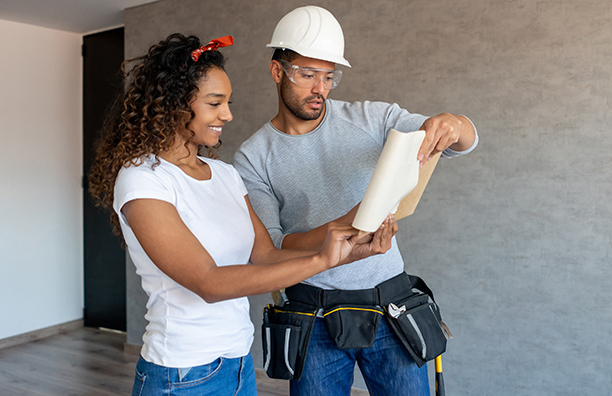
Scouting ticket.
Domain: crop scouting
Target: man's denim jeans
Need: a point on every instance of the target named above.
(223, 377)
(387, 367)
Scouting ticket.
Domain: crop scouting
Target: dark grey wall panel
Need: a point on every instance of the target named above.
(516, 238)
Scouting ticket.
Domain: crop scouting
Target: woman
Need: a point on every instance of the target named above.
(189, 226)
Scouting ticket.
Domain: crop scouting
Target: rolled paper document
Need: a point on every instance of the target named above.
(396, 175)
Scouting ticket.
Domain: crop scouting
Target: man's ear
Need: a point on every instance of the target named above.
(276, 71)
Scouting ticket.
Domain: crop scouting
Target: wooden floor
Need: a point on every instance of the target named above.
(81, 362)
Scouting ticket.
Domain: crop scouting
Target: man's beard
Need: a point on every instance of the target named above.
(297, 107)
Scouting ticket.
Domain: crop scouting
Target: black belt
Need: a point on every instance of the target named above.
(382, 295)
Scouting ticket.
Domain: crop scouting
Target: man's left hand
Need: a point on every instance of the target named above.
(443, 131)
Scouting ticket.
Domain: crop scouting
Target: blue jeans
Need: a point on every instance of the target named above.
(387, 367)
(223, 377)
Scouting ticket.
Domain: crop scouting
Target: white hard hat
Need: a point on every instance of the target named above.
(312, 32)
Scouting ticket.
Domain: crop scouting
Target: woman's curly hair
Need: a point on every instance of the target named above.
(146, 118)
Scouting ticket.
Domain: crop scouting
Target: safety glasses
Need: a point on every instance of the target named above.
(308, 77)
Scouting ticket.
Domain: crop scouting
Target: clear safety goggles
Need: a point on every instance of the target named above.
(308, 77)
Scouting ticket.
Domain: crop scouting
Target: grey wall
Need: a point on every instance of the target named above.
(514, 239)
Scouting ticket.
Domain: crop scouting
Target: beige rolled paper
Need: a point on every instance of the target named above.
(397, 183)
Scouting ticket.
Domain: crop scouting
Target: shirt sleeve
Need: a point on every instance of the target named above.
(448, 153)
(261, 196)
(239, 180)
(401, 120)
(378, 118)
(404, 121)
(140, 182)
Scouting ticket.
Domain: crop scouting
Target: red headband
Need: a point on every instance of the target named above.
(212, 46)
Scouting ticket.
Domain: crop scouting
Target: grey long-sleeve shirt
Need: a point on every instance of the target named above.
(299, 182)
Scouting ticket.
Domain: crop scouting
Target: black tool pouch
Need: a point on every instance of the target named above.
(418, 326)
(353, 326)
(285, 336)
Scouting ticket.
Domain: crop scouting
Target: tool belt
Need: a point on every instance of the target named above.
(352, 318)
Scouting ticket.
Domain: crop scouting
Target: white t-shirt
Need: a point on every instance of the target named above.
(183, 329)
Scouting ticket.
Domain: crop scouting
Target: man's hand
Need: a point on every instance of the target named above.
(443, 131)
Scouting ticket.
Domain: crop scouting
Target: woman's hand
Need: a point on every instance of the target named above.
(338, 244)
(377, 243)
(343, 243)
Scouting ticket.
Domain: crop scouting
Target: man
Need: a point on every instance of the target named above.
(311, 165)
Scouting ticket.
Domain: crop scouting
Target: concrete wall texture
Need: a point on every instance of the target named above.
(516, 238)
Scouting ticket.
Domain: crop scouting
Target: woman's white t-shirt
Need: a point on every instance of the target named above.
(183, 329)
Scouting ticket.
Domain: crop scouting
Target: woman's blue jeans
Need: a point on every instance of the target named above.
(387, 367)
(223, 377)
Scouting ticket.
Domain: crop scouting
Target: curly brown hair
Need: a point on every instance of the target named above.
(146, 118)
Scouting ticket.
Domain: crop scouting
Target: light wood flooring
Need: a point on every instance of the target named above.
(85, 361)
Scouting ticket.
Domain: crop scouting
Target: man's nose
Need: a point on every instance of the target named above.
(319, 87)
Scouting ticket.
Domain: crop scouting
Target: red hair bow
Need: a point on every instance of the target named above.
(212, 46)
